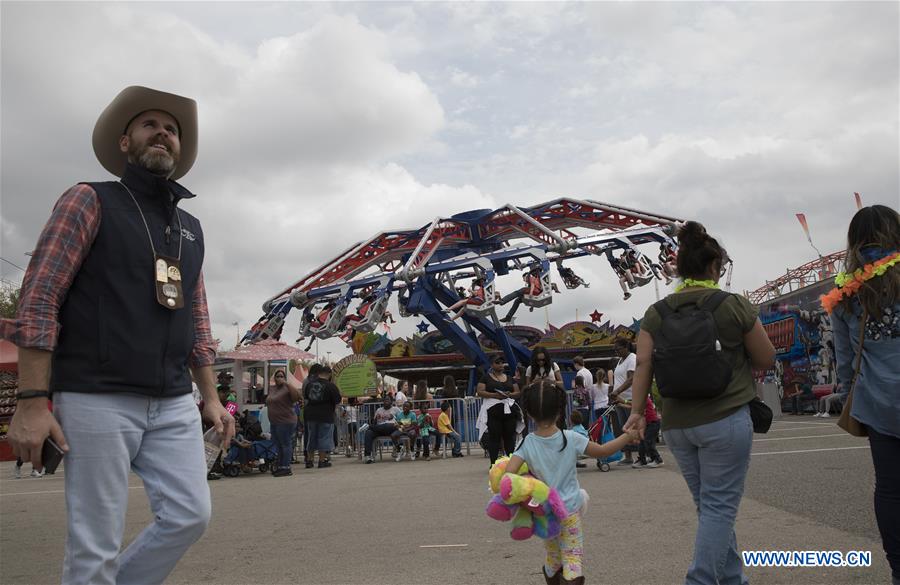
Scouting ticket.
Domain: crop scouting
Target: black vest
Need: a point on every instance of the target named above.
(114, 336)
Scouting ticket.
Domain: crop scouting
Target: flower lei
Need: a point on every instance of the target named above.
(691, 282)
(849, 284)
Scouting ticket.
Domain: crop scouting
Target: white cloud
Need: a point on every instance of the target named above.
(323, 124)
(460, 78)
(519, 131)
(580, 91)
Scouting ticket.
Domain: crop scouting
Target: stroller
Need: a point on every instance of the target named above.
(261, 450)
(601, 432)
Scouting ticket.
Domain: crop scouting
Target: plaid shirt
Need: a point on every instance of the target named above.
(61, 248)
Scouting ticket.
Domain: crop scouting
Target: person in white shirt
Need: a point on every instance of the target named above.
(600, 393)
(621, 393)
(582, 371)
(400, 396)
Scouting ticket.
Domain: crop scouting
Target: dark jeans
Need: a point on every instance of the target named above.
(622, 414)
(515, 295)
(886, 457)
(647, 448)
(382, 430)
(501, 429)
(236, 453)
(425, 440)
(283, 435)
(352, 431)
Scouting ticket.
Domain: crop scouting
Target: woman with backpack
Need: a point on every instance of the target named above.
(705, 394)
(865, 319)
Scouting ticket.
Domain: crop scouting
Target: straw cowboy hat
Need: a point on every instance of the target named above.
(130, 102)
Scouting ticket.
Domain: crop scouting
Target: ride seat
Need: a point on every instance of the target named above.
(373, 316)
(544, 296)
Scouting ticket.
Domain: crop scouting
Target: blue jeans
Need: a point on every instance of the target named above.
(321, 438)
(283, 435)
(457, 442)
(110, 435)
(714, 459)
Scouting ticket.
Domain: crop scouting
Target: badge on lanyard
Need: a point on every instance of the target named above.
(167, 270)
(168, 282)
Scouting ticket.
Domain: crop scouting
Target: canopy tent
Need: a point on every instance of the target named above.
(9, 356)
(265, 351)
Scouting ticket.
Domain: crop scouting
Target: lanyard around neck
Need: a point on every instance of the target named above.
(147, 227)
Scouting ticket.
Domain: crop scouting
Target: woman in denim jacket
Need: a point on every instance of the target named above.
(873, 249)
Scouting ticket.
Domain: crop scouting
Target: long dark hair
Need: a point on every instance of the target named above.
(874, 229)
(697, 251)
(548, 362)
(544, 402)
(450, 390)
(421, 391)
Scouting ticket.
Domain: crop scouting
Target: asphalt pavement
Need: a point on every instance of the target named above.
(423, 522)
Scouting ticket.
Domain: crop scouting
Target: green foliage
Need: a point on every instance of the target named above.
(9, 302)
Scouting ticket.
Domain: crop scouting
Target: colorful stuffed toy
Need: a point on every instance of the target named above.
(533, 506)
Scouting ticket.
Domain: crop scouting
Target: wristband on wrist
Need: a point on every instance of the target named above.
(27, 394)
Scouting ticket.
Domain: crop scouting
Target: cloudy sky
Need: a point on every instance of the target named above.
(322, 124)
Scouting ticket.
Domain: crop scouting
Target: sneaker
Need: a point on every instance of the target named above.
(826, 415)
(458, 455)
(18, 472)
(369, 459)
(428, 458)
(323, 464)
(627, 296)
(818, 414)
(624, 462)
(282, 472)
(310, 464)
(654, 464)
(412, 456)
(36, 473)
(639, 465)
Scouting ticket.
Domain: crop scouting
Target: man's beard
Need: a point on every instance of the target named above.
(152, 159)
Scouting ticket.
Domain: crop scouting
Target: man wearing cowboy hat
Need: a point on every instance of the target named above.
(112, 317)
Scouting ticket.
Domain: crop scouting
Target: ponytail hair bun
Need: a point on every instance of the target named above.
(698, 252)
(692, 234)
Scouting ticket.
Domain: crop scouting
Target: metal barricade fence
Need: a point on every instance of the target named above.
(463, 416)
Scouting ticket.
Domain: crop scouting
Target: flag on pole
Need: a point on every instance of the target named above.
(858, 200)
(802, 219)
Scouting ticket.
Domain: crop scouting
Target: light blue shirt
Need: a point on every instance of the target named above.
(876, 396)
(580, 430)
(554, 467)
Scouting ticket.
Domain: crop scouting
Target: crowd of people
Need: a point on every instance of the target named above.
(106, 265)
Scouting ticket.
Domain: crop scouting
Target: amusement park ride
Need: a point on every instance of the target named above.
(424, 266)
(810, 273)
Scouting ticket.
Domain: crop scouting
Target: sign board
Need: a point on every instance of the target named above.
(355, 375)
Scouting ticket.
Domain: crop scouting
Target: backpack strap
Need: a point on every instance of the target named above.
(714, 300)
(663, 308)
